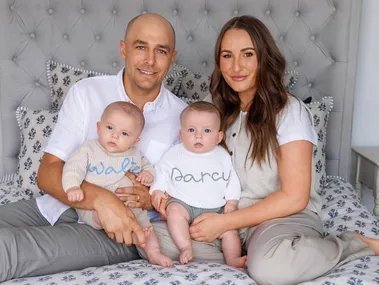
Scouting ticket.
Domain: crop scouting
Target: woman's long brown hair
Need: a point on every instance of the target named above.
(270, 97)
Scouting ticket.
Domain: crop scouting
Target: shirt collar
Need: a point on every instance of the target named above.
(149, 106)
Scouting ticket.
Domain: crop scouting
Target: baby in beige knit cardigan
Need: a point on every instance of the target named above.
(104, 162)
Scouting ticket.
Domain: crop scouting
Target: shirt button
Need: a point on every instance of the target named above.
(234, 134)
(231, 153)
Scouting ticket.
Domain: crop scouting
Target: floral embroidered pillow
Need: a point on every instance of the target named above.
(320, 116)
(36, 127)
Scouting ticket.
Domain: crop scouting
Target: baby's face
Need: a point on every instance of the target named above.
(200, 131)
(118, 131)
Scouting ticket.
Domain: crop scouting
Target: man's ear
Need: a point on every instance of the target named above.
(173, 56)
(122, 49)
(220, 136)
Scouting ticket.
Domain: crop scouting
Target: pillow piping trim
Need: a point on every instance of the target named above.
(48, 72)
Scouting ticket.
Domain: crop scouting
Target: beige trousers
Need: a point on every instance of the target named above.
(291, 250)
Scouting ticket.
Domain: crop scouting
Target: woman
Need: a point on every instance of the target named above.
(271, 139)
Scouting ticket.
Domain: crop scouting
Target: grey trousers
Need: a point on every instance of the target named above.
(30, 246)
(291, 250)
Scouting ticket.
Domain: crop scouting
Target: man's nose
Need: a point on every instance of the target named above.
(149, 58)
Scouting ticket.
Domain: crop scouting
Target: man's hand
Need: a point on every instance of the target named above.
(138, 194)
(118, 221)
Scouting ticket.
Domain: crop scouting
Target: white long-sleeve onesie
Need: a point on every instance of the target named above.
(203, 180)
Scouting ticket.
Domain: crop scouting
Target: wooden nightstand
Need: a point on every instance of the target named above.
(372, 155)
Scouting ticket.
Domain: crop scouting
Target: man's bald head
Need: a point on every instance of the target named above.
(153, 19)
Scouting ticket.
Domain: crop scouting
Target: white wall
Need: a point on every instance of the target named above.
(366, 102)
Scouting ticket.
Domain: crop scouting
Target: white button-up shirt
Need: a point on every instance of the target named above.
(82, 109)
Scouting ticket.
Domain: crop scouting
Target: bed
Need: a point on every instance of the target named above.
(47, 45)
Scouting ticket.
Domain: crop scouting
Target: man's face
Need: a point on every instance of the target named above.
(148, 52)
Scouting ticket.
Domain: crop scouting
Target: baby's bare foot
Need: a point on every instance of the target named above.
(373, 243)
(238, 262)
(185, 255)
(158, 258)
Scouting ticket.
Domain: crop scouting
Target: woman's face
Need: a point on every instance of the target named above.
(238, 62)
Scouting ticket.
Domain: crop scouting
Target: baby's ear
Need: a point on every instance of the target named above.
(137, 140)
(220, 136)
(98, 126)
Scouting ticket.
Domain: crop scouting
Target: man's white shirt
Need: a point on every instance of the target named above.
(82, 109)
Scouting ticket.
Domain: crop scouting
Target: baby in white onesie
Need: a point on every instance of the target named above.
(199, 177)
(105, 161)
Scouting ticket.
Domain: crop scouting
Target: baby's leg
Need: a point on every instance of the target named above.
(231, 247)
(152, 249)
(178, 226)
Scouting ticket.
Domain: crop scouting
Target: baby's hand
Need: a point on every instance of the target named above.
(75, 194)
(230, 206)
(157, 197)
(146, 178)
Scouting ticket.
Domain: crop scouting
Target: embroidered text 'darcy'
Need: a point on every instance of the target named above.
(177, 175)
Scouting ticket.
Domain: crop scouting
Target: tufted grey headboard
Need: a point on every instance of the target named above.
(318, 37)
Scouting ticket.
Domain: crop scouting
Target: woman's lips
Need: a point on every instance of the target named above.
(239, 78)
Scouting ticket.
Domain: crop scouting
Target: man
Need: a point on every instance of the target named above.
(42, 236)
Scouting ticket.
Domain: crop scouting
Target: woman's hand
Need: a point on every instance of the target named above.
(208, 227)
(138, 194)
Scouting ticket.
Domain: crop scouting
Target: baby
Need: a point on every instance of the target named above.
(198, 175)
(104, 162)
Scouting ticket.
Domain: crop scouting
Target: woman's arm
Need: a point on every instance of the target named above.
(295, 168)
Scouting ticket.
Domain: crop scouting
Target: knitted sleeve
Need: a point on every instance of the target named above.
(75, 168)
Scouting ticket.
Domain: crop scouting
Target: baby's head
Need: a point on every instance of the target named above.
(201, 127)
(120, 126)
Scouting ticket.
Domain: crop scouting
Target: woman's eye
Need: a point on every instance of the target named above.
(226, 56)
(248, 54)
(191, 130)
(207, 130)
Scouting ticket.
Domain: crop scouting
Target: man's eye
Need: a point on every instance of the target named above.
(162, 51)
(191, 130)
(109, 128)
(140, 47)
(207, 130)
(124, 134)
